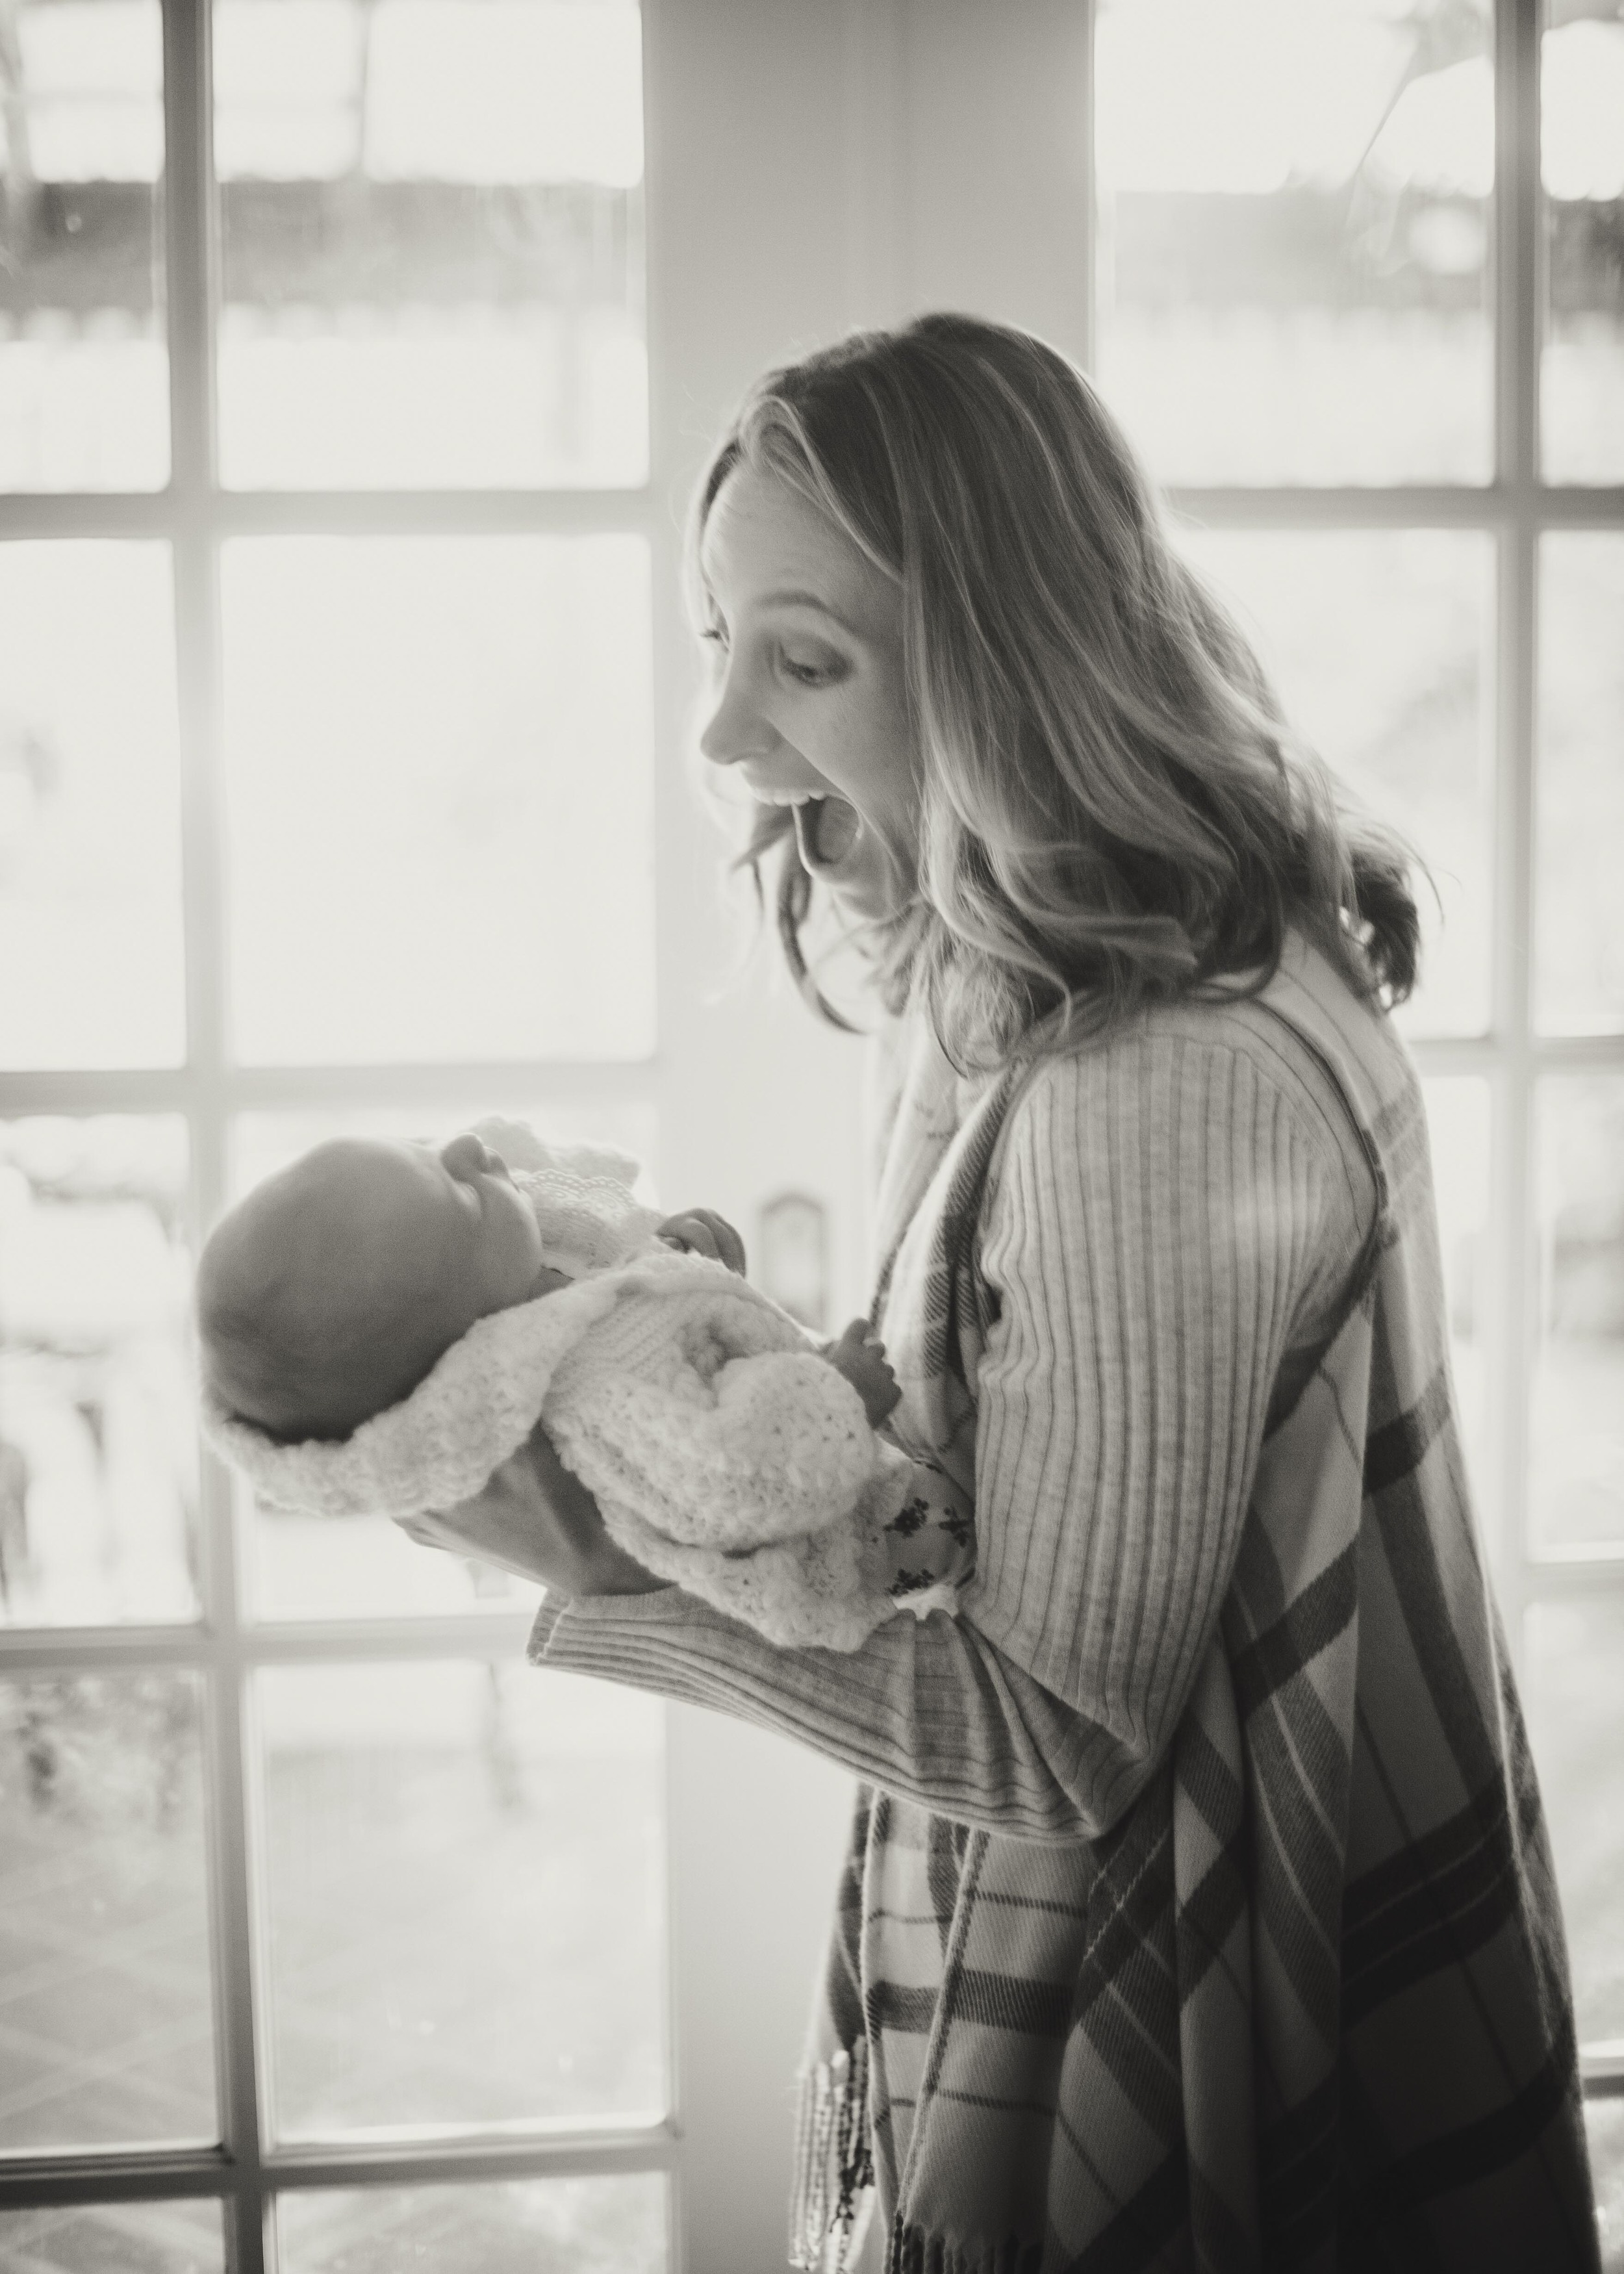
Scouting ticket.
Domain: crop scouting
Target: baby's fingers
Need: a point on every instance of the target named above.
(687, 1232)
(704, 1232)
(886, 1398)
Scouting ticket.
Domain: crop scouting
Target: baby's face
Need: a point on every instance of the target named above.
(491, 1247)
(382, 1254)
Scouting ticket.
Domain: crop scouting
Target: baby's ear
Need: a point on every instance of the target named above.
(516, 1141)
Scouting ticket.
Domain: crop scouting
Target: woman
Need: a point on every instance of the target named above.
(1199, 1911)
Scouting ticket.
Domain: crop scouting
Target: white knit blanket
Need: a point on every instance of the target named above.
(727, 1455)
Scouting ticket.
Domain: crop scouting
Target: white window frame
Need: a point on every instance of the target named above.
(226, 1646)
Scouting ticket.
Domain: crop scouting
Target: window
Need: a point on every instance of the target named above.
(331, 1937)
(1357, 295)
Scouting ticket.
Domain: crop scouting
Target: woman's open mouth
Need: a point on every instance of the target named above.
(826, 829)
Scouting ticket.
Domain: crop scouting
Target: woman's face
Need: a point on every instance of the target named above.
(807, 698)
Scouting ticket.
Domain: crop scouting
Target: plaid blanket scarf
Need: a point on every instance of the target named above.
(1306, 2005)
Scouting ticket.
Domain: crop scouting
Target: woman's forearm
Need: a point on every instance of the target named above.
(928, 1708)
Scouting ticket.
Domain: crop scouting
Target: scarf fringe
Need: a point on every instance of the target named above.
(913, 2251)
(834, 2163)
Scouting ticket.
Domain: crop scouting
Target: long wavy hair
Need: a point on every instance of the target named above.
(1112, 808)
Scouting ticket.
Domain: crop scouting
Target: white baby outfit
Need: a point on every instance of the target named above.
(727, 1454)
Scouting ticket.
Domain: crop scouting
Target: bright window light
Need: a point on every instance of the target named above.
(504, 91)
(1242, 98)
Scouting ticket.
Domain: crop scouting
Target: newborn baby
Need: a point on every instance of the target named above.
(383, 1323)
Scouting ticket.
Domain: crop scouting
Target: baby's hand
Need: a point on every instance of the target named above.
(700, 1232)
(859, 1355)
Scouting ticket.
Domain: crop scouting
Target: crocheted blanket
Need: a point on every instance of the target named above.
(1306, 2005)
(727, 1455)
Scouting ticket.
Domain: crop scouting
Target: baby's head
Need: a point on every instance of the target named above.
(332, 1289)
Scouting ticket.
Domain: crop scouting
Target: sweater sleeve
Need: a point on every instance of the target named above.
(1167, 1210)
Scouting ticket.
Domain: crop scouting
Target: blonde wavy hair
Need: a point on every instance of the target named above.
(1112, 808)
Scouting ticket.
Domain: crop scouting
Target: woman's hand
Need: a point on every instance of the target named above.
(536, 1518)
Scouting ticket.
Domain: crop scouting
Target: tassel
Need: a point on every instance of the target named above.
(834, 2162)
(914, 2251)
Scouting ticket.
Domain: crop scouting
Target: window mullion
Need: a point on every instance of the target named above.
(229, 1766)
(434, 512)
(234, 1946)
(84, 513)
(1088, 346)
(189, 230)
(1517, 375)
(192, 301)
(1511, 1340)
(228, 1763)
(1418, 505)
(1516, 264)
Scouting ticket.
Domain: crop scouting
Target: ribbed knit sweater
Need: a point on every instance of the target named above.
(1199, 1912)
(1169, 1232)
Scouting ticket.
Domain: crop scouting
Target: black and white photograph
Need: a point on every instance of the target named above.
(811, 1136)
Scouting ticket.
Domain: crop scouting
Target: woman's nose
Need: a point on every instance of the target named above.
(736, 729)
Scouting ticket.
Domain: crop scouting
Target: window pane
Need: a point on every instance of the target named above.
(1603, 2126)
(527, 2226)
(90, 906)
(1293, 226)
(1579, 929)
(98, 1489)
(1576, 1488)
(84, 376)
(466, 1896)
(159, 2238)
(440, 799)
(1574, 1697)
(1582, 155)
(433, 246)
(104, 1997)
(1374, 638)
(1457, 1120)
(306, 1567)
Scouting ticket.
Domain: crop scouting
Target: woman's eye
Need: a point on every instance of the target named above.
(806, 671)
